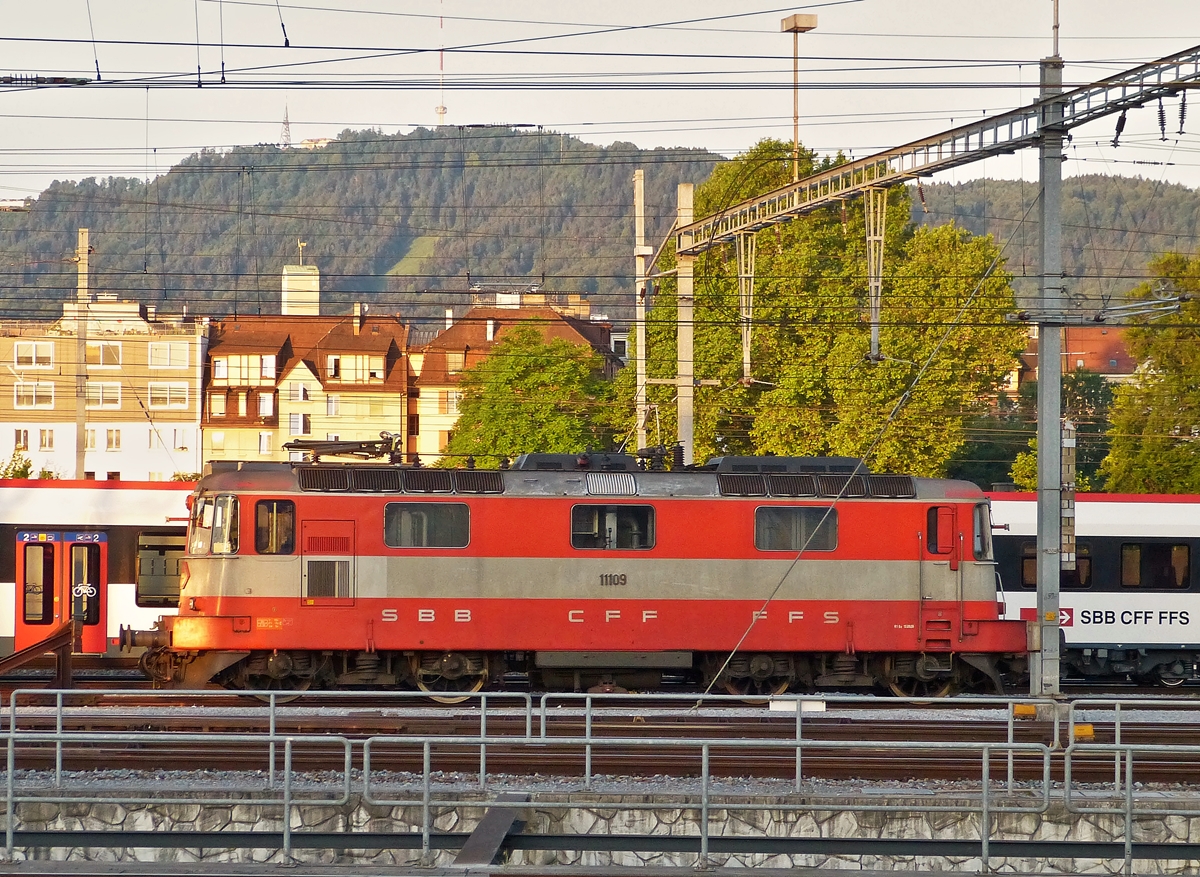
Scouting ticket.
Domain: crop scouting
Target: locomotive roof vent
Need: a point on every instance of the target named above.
(576, 462)
(375, 479)
(428, 481)
(478, 481)
(894, 486)
(827, 465)
(611, 484)
(845, 486)
(324, 478)
(738, 484)
(792, 484)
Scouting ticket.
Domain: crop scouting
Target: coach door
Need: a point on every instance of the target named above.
(61, 576)
(327, 564)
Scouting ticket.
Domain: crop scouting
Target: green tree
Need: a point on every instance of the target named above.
(532, 395)
(1156, 419)
(1086, 402)
(18, 466)
(813, 389)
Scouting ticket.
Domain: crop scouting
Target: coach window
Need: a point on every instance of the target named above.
(615, 527)
(85, 583)
(225, 525)
(426, 525)
(275, 526)
(1155, 567)
(39, 584)
(805, 528)
(1078, 579)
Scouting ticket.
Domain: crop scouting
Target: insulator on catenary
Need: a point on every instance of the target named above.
(1162, 121)
(1116, 141)
(1182, 110)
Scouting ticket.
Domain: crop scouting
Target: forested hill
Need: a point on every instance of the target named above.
(384, 217)
(1112, 226)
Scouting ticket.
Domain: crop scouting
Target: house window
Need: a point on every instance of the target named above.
(89, 440)
(220, 368)
(298, 391)
(114, 440)
(242, 405)
(375, 368)
(34, 354)
(216, 405)
(268, 366)
(455, 360)
(454, 397)
(103, 394)
(217, 438)
(333, 406)
(414, 424)
(266, 404)
(264, 442)
(45, 440)
(168, 354)
(299, 424)
(21, 440)
(333, 368)
(28, 394)
(332, 437)
(104, 354)
(181, 437)
(173, 395)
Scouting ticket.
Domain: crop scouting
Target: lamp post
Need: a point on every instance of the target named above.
(796, 25)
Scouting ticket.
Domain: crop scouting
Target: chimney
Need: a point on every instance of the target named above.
(491, 329)
(358, 317)
(449, 317)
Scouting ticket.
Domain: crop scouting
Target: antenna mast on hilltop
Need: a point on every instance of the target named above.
(285, 136)
(440, 109)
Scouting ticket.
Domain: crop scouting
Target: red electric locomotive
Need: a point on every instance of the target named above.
(583, 571)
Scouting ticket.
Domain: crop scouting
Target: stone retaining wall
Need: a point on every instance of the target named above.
(605, 815)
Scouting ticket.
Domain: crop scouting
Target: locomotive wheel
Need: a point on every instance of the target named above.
(754, 690)
(450, 677)
(911, 686)
(443, 690)
(285, 690)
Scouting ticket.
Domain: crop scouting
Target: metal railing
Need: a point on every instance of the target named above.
(549, 728)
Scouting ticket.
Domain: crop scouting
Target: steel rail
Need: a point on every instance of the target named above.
(995, 135)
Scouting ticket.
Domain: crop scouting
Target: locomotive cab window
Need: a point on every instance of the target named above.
(214, 525)
(1155, 567)
(1078, 579)
(612, 527)
(275, 526)
(794, 529)
(983, 532)
(426, 525)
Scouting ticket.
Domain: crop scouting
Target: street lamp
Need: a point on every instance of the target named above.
(796, 25)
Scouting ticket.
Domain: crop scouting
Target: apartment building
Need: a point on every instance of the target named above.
(272, 379)
(438, 367)
(109, 391)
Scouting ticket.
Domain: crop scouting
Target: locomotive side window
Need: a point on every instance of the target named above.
(940, 526)
(1155, 567)
(39, 584)
(983, 532)
(812, 528)
(426, 525)
(615, 527)
(275, 526)
(1078, 579)
(225, 525)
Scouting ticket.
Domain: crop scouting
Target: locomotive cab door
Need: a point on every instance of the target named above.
(61, 576)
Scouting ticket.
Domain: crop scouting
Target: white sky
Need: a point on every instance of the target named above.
(875, 74)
